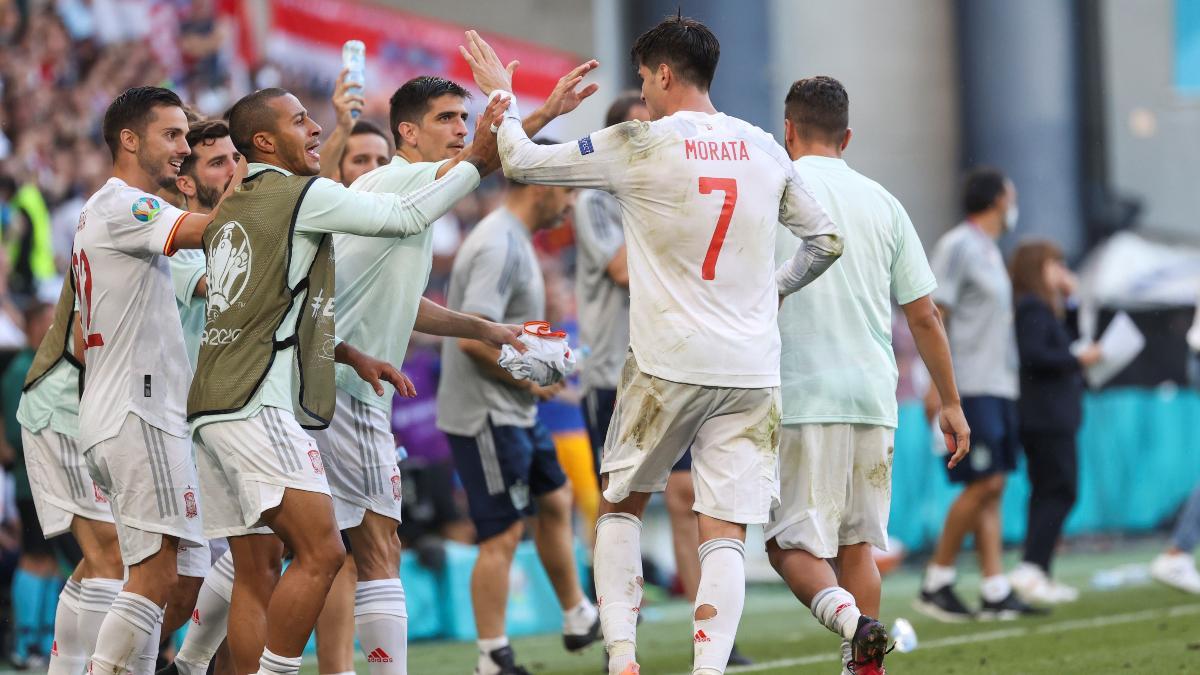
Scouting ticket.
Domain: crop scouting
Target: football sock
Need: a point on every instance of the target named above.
(96, 595)
(995, 588)
(67, 656)
(485, 665)
(719, 602)
(579, 619)
(618, 551)
(936, 577)
(834, 607)
(381, 622)
(210, 625)
(273, 664)
(123, 636)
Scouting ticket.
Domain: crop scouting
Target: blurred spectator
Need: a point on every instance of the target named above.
(36, 582)
(975, 296)
(1050, 409)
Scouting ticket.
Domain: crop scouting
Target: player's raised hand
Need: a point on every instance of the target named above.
(566, 95)
(344, 102)
(482, 152)
(956, 433)
(490, 73)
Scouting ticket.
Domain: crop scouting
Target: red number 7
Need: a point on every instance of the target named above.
(707, 186)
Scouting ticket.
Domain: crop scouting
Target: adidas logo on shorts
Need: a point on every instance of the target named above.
(379, 656)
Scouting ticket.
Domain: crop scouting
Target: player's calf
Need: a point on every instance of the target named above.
(380, 610)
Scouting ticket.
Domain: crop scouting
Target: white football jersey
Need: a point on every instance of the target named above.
(701, 197)
(135, 353)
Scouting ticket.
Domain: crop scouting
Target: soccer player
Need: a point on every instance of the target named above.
(203, 177)
(131, 414)
(602, 291)
(975, 295)
(839, 382)
(266, 365)
(380, 305)
(66, 498)
(504, 455)
(700, 195)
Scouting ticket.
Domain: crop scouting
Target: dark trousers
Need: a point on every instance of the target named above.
(1054, 478)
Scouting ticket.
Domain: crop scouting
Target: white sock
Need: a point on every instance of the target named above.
(148, 658)
(618, 552)
(210, 625)
(937, 576)
(273, 664)
(579, 619)
(834, 607)
(67, 656)
(995, 588)
(484, 664)
(381, 622)
(723, 588)
(129, 624)
(96, 595)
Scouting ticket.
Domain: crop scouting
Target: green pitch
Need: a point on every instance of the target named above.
(1142, 629)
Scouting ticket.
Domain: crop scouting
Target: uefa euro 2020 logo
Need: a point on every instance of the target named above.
(145, 208)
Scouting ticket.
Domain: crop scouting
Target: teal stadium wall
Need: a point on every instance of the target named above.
(1139, 457)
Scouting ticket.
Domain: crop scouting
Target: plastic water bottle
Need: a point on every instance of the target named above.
(904, 636)
(354, 60)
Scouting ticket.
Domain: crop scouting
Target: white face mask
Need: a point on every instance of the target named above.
(1010, 218)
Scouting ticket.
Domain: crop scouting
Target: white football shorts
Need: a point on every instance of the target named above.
(836, 487)
(360, 462)
(62, 487)
(150, 479)
(733, 434)
(245, 466)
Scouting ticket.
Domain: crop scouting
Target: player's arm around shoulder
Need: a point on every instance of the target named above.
(188, 231)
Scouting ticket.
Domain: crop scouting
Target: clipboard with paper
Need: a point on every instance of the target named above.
(1120, 345)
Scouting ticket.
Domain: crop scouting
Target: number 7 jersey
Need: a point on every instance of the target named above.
(701, 197)
(134, 349)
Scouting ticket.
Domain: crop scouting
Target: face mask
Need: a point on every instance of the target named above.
(1010, 218)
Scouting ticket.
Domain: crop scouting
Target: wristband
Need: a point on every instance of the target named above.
(512, 112)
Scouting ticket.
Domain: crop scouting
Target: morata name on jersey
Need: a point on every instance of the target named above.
(726, 151)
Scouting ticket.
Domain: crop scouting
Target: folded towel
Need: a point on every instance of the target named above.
(547, 358)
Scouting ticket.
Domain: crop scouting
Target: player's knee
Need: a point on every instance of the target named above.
(502, 542)
(555, 504)
(378, 559)
(680, 498)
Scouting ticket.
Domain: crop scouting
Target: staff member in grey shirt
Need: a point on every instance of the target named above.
(504, 456)
(975, 295)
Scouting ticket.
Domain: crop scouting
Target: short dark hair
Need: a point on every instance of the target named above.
(250, 115)
(411, 100)
(368, 127)
(981, 188)
(198, 134)
(134, 109)
(619, 110)
(818, 107)
(684, 44)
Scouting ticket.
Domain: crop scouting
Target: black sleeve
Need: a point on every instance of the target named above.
(1041, 340)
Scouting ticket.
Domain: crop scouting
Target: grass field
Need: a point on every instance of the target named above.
(1142, 629)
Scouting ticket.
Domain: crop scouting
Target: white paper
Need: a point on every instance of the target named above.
(1120, 345)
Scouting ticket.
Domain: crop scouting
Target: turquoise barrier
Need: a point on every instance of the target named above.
(1138, 461)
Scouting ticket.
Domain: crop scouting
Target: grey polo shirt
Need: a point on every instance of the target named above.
(973, 285)
(603, 305)
(495, 275)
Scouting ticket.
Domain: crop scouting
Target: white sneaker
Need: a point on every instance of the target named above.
(1062, 592)
(1034, 587)
(1177, 570)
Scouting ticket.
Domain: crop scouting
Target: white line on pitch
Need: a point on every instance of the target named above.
(987, 636)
